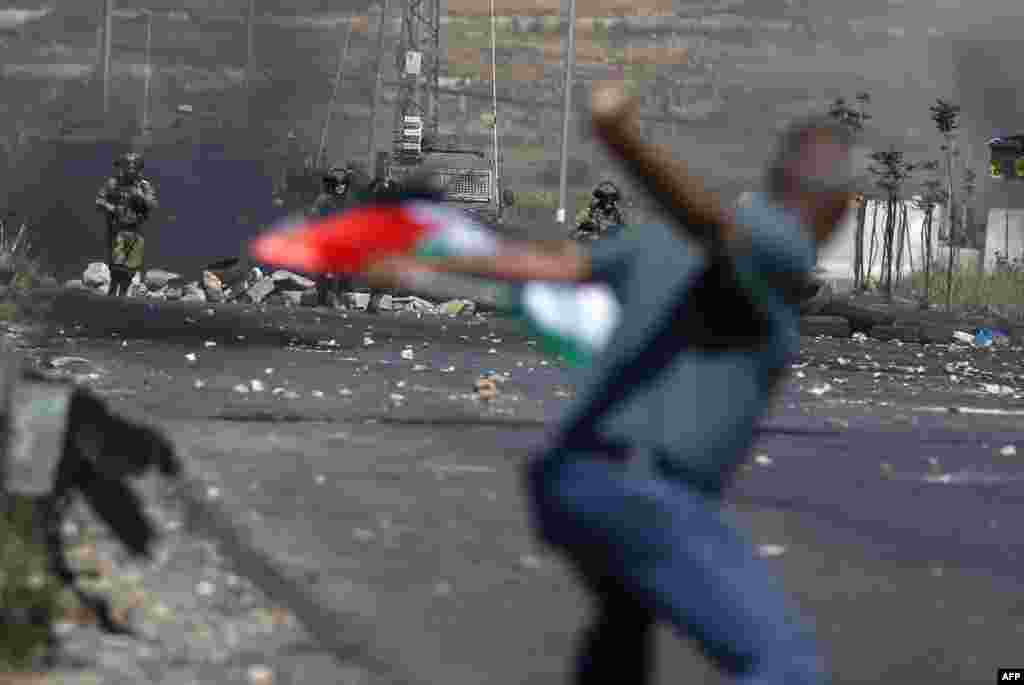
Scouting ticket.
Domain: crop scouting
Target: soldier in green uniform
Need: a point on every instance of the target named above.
(602, 214)
(127, 199)
(333, 198)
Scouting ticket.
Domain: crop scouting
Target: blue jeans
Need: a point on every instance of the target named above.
(649, 550)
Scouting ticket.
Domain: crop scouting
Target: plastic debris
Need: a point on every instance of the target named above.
(963, 337)
(771, 550)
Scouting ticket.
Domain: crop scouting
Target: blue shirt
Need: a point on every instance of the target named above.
(695, 421)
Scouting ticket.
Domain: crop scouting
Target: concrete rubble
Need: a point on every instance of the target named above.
(253, 286)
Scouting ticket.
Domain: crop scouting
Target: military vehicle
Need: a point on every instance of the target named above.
(467, 175)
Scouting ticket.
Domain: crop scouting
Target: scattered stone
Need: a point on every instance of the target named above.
(457, 307)
(359, 300)
(963, 337)
(97, 277)
(412, 304)
(486, 389)
(259, 291)
(286, 280)
(1008, 451)
(156, 279)
(138, 289)
(76, 284)
(260, 675)
(192, 292)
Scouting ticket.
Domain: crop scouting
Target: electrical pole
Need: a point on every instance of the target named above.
(108, 25)
(250, 48)
(149, 71)
(371, 148)
(342, 58)
(570, 66)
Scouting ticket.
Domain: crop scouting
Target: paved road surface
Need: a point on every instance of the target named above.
(896, 522)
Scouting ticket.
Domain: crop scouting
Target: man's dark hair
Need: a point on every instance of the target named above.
(782, 177)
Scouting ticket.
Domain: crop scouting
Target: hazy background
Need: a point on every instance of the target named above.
(716, 79)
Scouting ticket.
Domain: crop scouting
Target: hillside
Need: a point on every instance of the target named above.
(715, 78)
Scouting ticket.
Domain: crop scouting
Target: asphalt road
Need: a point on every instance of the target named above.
(891, 520)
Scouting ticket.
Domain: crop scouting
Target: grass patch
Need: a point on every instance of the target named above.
(970, 287)
(26, 587)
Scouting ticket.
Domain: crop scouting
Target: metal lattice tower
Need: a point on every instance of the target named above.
(418, 63)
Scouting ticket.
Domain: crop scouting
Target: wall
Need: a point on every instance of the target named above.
(1004, 232)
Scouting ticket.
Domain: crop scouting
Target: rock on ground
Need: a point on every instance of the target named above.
(156, 279)
(260, 290)
(457, 307)
(97, 277)
(286, 280)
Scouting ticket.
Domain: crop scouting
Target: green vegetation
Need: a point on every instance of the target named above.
(26, 586)
(970, 287)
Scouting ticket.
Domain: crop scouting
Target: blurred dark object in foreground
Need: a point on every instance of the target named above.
(60, 442)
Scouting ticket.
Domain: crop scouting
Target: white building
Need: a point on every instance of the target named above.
(836, 259)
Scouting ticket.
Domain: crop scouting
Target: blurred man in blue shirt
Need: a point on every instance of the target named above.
(630, 489)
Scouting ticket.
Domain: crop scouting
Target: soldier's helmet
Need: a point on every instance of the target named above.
(338, 176)
(130, 163)
(607, 191)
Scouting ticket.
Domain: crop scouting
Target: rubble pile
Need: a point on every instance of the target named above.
(253, 286)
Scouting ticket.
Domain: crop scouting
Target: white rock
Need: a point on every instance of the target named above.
(286, 280)
(259, 291)
(407, 354)
(156, 279)
(192, 292)
(260, 675)
(97, 277)
(75, 284)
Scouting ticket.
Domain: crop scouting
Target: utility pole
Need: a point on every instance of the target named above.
(418, 60)
(149, 71)
(570, 66)
(250, 52)
(342, 59)
(371, 149)
(108, 25)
